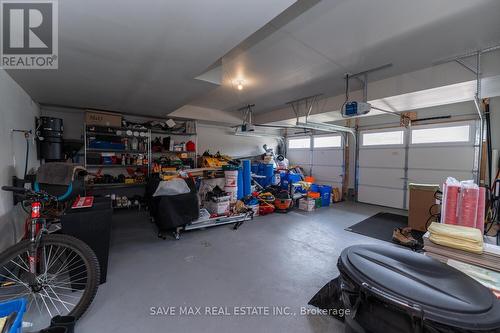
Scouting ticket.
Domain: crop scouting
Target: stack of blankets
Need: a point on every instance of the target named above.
(457, 237)
(463, 248)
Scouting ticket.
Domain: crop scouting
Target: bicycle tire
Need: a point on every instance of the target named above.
(83, 250)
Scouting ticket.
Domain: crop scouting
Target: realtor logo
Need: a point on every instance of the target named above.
(29, 36)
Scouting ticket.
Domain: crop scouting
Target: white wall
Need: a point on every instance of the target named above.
(17, 111)
(220, 138)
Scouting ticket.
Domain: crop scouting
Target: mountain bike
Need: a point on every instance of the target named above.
(56, 274)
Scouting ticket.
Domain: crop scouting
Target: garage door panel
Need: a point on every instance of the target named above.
(299, 157)
(390, 157)
(328, 173)
(448, 158)
(382, 177)
(436, 176)
(329, 182)
(433, 151)
(381, 196)
(328, 157)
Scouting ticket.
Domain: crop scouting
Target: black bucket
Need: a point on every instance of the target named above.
(67, 322)
(57, 329)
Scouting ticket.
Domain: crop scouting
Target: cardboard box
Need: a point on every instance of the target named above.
(218, 208)
(103, 119)
(307, 205)
(421, 200)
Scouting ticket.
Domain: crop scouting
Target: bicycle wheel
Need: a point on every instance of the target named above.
(66, 284)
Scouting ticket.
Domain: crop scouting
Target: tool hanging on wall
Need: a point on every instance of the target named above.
(27, 134)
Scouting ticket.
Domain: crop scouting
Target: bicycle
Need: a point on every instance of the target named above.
(57, 274)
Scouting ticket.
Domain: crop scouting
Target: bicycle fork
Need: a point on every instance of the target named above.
(33, 253)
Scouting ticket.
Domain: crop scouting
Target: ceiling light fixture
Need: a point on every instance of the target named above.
(239, 85)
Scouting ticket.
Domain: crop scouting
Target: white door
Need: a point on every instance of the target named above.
(321, 156)
(381, 167)
(389, 159)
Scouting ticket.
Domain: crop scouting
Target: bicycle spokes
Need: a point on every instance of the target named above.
(56, 287)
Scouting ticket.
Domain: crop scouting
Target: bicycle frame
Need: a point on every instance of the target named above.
(37, 228)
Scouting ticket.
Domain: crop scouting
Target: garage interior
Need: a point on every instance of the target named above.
(250, 166)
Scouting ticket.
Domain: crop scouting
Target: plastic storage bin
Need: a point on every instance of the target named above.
(294, 178)
(284, 180)
(17, 305)
(326, 195)
(96, 144)
(314, 188)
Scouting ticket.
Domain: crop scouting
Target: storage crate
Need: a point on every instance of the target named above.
(307, 204)
(16, 305)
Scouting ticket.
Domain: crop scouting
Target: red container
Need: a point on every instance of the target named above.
(266, 209)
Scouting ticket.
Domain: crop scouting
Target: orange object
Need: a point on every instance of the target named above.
(309, 179)
(314, 195)
(266, 209)
(282, 204)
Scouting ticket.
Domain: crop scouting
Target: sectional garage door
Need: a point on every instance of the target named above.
(321, 156)
(389, 159)
(381, 167)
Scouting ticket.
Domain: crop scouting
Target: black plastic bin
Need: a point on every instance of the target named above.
(92, 226)
(389, 289)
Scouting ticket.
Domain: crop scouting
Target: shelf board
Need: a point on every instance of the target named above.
(114, 185)
(172, 152)
(171, 133)
(123, 135)
(114, 165)
(128, 151)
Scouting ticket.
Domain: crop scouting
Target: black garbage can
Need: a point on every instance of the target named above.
(92, 226)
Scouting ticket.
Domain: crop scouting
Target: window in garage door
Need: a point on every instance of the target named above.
(321, 156)
(431, 153)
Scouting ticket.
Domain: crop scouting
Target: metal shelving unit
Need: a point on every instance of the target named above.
(121, 133)
(115, 185)
(192, 137)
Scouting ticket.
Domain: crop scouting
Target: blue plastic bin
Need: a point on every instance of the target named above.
(314, 188)
(294, 178)
(16, 305)
(326, 195)
(255, 168)
(284, 180)
(96, 144)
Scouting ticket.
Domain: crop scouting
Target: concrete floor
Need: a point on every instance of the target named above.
(276, 260)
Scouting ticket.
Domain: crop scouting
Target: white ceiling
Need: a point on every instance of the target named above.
(310, 53)
(142, 56)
